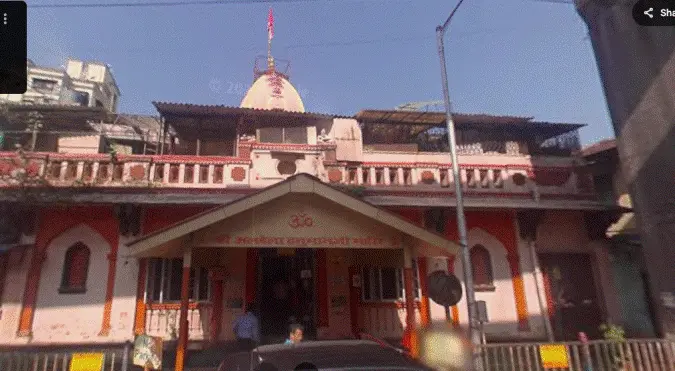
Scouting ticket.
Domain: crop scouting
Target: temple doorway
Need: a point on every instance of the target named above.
(286, 292)
(571, 294)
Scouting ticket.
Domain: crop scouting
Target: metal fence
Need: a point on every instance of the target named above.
(629, 355)
(23, 360)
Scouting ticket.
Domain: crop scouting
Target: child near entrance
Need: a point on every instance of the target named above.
(295, 332)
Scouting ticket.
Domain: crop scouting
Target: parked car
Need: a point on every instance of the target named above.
(333, 355)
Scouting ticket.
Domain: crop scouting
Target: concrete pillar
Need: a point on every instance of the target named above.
(637, 69)
(603, 263)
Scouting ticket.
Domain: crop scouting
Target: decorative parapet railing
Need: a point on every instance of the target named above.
(102, 170)
(162, 320)
(507, 178)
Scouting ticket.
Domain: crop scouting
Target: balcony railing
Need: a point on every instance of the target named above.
(101, 170)
(162, 320)
(475, 178)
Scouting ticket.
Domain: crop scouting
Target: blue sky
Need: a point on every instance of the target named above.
(515, 57)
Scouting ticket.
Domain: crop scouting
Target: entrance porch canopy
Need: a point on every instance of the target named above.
(300, 212)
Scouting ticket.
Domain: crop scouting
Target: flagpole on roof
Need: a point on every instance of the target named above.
(270, 35)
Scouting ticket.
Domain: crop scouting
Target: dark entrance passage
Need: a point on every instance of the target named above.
(571, 295)
(286, 292)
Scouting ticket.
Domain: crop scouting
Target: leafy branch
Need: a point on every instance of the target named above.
(616, 335)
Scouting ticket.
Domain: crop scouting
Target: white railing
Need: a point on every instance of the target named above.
(474, 178)
(162, 320)
(101, 170)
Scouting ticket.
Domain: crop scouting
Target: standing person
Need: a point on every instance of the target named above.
(295, 332)
(247, 329)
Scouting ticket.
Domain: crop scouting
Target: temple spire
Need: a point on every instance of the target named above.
(270, 35)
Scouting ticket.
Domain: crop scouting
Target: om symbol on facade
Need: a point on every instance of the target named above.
(300, 220)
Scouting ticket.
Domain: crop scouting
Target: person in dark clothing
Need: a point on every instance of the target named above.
(247, 329)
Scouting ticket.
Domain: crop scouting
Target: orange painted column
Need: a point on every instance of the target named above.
(30, 294)
(109, 291)
(408, 278)
(139, 317)
(181, 348)
(425, 312)
(519, 292)
(410, 333)
(454, 309)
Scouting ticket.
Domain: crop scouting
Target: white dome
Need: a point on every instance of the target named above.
(273, 91)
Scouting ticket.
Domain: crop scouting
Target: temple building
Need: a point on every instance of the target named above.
(336, 221)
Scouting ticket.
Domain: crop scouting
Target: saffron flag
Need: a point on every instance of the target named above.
(270, 25)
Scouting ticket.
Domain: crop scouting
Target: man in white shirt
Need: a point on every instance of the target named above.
(247, 329)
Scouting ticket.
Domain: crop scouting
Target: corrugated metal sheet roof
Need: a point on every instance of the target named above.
(57, 117)
(167, 108)
(438, 119)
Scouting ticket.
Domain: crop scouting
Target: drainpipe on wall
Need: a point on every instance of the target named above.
(536, 273)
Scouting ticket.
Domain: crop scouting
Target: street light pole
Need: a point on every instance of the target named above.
(474, 332)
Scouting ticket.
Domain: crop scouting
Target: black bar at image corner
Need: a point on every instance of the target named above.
(652, 13)
(13, 47)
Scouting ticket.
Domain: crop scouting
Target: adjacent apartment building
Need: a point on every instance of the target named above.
(86, 84)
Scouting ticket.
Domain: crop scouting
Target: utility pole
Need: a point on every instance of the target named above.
(474, 332)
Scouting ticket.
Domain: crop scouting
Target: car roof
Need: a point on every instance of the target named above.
(313, 344)
(336, 354)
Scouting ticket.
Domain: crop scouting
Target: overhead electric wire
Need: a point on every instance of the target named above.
(359, 42)
(458, 35)
(183, 3)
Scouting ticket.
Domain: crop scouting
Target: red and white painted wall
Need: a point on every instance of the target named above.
(39, 307)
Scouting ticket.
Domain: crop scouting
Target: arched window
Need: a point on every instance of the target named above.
(481, 265)
(75, 269)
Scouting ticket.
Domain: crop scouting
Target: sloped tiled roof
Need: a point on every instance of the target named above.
(598, 147)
